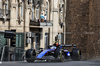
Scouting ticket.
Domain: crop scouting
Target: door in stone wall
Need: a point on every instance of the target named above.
(37, 41)
(19, 46)
(46, 40)
(2, 42)
(62, 39)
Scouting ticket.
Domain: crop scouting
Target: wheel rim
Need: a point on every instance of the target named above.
(62, 57)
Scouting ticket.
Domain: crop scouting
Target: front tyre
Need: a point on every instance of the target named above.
(30, 55)
(60, 57)
(30, 60)
(76, 54)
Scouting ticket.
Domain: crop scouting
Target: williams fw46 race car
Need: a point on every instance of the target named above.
(54, 52)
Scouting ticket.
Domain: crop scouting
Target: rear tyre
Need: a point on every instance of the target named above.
(76, 54)
(30, 54)
(30, 60)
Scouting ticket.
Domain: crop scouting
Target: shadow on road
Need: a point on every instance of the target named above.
(41, 61)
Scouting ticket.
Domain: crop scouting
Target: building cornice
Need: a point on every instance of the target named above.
(13, 5)
(28, 6)
(55, 9)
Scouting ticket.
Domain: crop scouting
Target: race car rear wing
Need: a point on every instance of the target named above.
(69, 45)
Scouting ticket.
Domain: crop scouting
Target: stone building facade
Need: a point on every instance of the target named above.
(83, 26)
(24, 17)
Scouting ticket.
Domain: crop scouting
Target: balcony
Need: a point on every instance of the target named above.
(4, 13)
(39, 23)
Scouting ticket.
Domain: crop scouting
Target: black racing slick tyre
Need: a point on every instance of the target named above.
(76, 54)
(30, 60)
(59, 55)
(30, 54)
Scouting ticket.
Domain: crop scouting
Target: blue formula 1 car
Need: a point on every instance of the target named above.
(55, 52)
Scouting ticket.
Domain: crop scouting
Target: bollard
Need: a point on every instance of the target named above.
(2, 55)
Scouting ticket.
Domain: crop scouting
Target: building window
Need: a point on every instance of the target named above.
(29, 1)
(22, 9)
(0, 4)
(7, 11)
(61, 16)
(46, 9)
(32, 12)
(6, 5)
(6, 8)
(17, 12)
(1, 11)
(37, 14)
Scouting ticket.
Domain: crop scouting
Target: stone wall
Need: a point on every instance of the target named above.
(82, 26)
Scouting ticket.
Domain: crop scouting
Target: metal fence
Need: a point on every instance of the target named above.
(12, 54)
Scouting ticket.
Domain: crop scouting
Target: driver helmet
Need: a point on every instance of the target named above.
(55, 43)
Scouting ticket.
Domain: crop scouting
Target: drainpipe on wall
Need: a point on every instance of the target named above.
(52, 19)
(9, 14)
(66, 21)
(40, 5)
(24, 24)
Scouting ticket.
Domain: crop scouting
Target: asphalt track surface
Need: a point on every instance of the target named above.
(44, 63)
